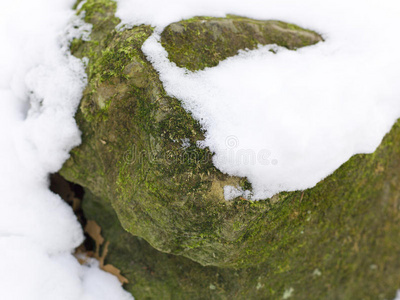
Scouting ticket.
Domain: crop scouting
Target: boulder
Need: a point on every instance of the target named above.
(338, 240)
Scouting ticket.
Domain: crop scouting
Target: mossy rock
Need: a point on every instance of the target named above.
(338, 240)
(132, 152)
(203, 42)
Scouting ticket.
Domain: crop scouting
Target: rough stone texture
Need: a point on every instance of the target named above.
(219, 38)
(339, 240)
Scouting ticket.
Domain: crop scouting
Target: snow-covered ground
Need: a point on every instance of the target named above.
(40, 88)
(302, 114)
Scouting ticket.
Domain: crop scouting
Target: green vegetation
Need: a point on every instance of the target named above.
(219, 38)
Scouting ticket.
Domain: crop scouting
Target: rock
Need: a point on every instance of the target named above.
(219, 38)
(131, 160)
(132, 152)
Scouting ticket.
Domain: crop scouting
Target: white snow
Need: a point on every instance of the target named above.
(40, 89)
(397, 295)
(232, 192)
(294, 116)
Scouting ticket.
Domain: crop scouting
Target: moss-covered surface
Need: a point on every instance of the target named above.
(339, 240)
(219, 38)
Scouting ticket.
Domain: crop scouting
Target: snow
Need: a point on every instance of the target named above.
(232, 192)
(288, 120)
(397, 295)
(40, 88)
(295, 116)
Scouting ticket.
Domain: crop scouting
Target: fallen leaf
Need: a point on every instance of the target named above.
(116, 272)
(104, 254)
(94, 231)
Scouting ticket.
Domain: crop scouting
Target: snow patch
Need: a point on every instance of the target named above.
(40, 88)
(231, 192)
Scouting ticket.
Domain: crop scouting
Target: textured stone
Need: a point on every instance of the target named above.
(131, 161)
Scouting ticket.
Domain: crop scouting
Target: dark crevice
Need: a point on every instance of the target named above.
(73, 195)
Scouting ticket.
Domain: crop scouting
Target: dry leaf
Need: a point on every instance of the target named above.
(61, 187)
(104, 254)
(94, 231)
(116, 272)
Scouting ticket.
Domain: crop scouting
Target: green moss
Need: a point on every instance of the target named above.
(100, 13)
(203, 42)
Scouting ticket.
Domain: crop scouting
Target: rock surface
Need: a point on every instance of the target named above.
(132, 152)
(338, 240)
(203, 42)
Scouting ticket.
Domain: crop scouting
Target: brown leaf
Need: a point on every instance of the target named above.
(94, 231)
(104, 254)
(116, 272)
